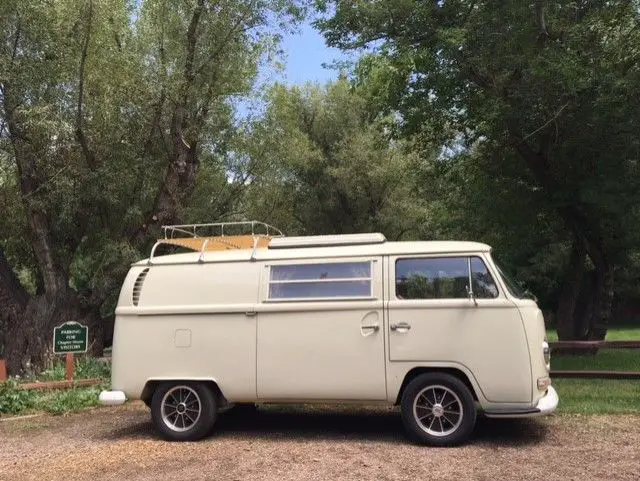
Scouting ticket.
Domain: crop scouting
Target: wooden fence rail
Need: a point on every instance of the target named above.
(594, 344)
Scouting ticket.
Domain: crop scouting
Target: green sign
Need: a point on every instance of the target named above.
(70, 337)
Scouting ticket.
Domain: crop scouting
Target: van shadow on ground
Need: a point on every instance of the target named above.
(326, 424)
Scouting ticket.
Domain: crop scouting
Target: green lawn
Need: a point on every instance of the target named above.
(600, 396)
(605, 360)
(614, 334)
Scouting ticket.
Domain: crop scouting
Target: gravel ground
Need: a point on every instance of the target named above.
(318, 444)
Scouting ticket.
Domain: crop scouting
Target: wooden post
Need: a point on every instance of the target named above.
(3, 370)
(69, 367)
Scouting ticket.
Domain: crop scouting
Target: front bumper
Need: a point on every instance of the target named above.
(549, 402)
(546, 405)
(112, 398)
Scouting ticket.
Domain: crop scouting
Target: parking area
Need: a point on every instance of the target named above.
(314, 443)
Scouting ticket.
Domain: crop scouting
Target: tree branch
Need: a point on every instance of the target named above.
(192, 40)
(553, 118)
(80, 134)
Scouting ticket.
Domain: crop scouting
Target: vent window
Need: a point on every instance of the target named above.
(137, 287)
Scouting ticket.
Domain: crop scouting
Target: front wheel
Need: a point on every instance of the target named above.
(438, 409)
(183, 411)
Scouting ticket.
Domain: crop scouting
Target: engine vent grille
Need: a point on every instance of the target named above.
(137, 287)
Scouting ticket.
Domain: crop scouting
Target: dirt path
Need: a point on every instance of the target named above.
(119, 443)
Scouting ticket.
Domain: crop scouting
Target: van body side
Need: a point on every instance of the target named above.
(329, 324)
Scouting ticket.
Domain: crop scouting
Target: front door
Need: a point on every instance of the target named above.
(433, 319)
(320, 331)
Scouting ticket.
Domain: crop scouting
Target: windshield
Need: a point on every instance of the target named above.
(512, 286)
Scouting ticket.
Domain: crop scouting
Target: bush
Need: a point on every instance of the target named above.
(90, 367)
(68, 400)
(85, 368)
(14, 401)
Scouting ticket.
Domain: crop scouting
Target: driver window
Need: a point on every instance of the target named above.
(432, 278)
(443, 278)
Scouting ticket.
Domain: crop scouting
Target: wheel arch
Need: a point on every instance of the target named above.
(456, 372)
(152, 384)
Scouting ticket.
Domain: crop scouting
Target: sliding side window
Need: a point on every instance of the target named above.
(351, 280)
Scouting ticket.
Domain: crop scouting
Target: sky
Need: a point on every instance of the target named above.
(306, 52)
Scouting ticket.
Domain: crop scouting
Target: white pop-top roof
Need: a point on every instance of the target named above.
(327, 240)
(324, 247)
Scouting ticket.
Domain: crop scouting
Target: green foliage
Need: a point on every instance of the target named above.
(14, 401)
(326, 164)
(85, 368)
(57, 401)
(490, 80)
(70, 400)
(101, 96)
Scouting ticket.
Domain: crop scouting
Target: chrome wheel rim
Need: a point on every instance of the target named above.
(181, 408)
(438, 410)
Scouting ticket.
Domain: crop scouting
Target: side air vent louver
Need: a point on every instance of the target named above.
(137, 287)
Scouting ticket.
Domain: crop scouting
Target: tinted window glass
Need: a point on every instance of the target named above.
(433, 278)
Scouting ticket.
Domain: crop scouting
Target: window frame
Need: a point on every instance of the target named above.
(269, 282)
(468, 260)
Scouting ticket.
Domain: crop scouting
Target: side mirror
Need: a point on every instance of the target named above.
(529, 295)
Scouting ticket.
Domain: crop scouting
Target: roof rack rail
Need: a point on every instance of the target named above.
(218, 229)
(217, 236)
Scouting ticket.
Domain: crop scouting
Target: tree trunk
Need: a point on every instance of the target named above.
(30, 339)
(587, 233)
(603, 298)
(565, 314)
(13, 301)
(29, 321)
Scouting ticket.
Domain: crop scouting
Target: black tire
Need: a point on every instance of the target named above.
(165, 407)
(438, 410)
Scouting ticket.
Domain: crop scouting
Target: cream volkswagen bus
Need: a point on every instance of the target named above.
(262, 318)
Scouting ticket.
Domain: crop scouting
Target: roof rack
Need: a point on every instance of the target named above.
(196, 230)
(218, 236)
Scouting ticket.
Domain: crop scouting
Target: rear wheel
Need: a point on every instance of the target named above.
(183, 411)
(438, 409)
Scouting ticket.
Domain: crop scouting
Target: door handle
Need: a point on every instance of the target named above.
(375, 327)
(400, 326)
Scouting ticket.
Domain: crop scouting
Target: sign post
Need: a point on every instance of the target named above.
(69, 338)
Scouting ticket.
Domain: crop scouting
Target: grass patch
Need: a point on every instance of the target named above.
(598, 396)
(613, 334)
(604, 360)
(15, 401)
